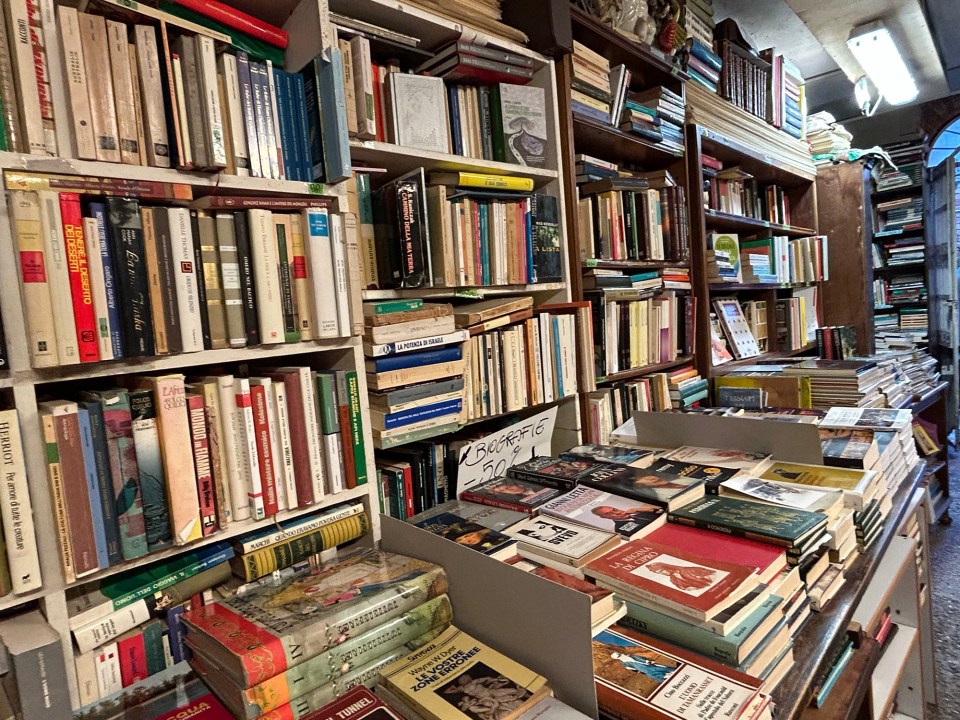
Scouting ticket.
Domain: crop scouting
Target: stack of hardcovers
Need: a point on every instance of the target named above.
(142, 469)
(316, 633)
(229, 272)
(900, 214)
(414, 368)
(703, 64)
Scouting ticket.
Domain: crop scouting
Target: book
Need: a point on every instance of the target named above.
(510, 494)
(664, 489)
(605, 511)
(638, 676)
(402, 234)
(870, 418)
(425, 679)
(58, 273)
(489, 517)
(16, 509)
(551, 471)
(418, 109)
(149, 460)
(739, 459)
(620, 455)
(126, 236)
(366, 587)
(712, 475)
(37, 678)
(470, 534)
(561, 541)
(679, 580)
(477, 312)
(519, 122)
(858, 486)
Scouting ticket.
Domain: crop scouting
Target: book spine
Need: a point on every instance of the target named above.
(91, 239)
(169, 268)
(258, 165)
(280, 481)
(234, 114)
(28, 91)
(185, 278)
(34, 278)
(149, 460)
(137, 103)
(273, 121)
(313, 432)
(104, 630)
(229, 264)
(363, 87)
(302, 281)
(261, 108)
(303, 126)
(268, 538)
(55, 479)
(469, 496)
(84, 314)
(298, 436)
(9, 114)
(96, 58)
(215, 304)
(133, 659)
(93, 486)
(127, 134)
(154, 240)
(735, 532)
(200, 281)
(344, 327)
(85, 145)
(42, 23)
(210, 101)
(288, 303)
(201, 460)
(284, 124)
(330, 427)
(319, 253)
(217, 442)
(175, 444)
(311, 96)
(265, 449)
(368, 247)
(98, 211)
(16, 509)
(249, 457)
(247, 280)
(126, 234)
(104, 481)
(154, 121)
(356, 439)
(265, 267)
(237, 472)
(284, 450)
(58, 272)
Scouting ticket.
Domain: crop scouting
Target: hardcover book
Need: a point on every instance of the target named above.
(665, 489)
(402, 232)
(638, 676)
(511, 494)
(682, 581)
(419, 108)
(607, 512)
(286, 624)
(436, 688)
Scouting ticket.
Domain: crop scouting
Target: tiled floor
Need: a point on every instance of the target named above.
(945, 559)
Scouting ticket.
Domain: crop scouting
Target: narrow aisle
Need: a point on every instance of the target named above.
(945, 559)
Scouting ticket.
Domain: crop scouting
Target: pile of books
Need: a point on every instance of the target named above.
(848, 383)
(828, 139)
(901, 214)
(787, 104)
(899, 252)
(592, 92)
(167, 462)
(698, 20)
(462, 230)
(908, 173)
(415, 370)
(670, 109)
(638, 217)
(212, 277)
(900, 290)
(317, 633)
(702, 64)
(518, 356)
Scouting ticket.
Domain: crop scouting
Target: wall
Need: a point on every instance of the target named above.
(891, 126)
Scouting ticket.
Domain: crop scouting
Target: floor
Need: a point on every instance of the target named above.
(945, 558)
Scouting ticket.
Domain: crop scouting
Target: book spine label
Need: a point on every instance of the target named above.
(175, 444)
(201, 460)
(96, 56)
(149, 458)
(233, 447)
(58, 271)
(16, 509)
(83, 311)
(127, 133)
(85, 145)
(34, 279)
(93, 486)
(229, 264)
(126, 233)
(249, 457)
(265, 449)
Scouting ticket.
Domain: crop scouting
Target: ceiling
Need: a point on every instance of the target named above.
(813, 34)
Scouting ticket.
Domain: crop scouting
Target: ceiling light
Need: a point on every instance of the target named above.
(878, 55)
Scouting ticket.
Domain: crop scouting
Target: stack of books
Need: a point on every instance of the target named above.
(900, 290)
(787, 104)
(849, 383)
(702, 63)
(901, 252)
(723, 258)
(517, 356)
(698, 20)
(212, 277)
(732, 191)
(298, 655)
(414, 369)
(828, 139)
(670, 109)
(591, 94)
(784, 260)
(908, 173)
(901, 214)
(890, 425)
(146, 468)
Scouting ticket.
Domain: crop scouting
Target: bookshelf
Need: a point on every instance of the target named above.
(798, 187)
(22, 386)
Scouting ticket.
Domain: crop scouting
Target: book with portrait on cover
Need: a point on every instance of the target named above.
(665, 489)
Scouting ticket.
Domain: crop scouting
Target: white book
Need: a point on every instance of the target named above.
(285, 450)
(84, 144)
(103, 630)
(210, 101)
(537, 390)
(185, 279)
(275, 461)
(333, 461)
(16, 509)
(266, 263)
(277, 146)
(234, 114)
(154, 121)
(318, 246)
(546, 357)
(340, 275)
(247, 431)
(363, 87)
(98, 288)
(123, 98)
(185, 119)
(233, 447)
(28, 92)
(87, 685)
(108, 670)
(58, 275)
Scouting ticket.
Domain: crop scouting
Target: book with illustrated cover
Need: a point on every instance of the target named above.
(456, 676)
(602, 601)
(519, 124)
(849, 447)
(357, 704)
(683, 581)
(470, 534)
(739, 459)
(638, 457)
(859, 486)
(827, 501)
(511, 494)
(871, 418)
(658, 488)
(490, 517)
(712, 475)
(735, 327)
(286, 624)
(605, 511)
(639, 676)
(561, 541)
(551, 471)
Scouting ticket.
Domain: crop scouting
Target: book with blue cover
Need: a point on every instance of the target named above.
(418, 414)
(415, 359)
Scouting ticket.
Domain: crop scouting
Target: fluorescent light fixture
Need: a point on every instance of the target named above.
(878, 55)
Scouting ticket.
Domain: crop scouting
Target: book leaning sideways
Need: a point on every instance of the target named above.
(271, 628)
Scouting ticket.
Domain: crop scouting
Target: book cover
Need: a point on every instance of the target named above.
(485, 515)
(551, 471)
(58, 274)
(680, 580)
(712, 475)
(605, 511)
(519, 124)
(37, 669)
(16, 509)
(638, 676)
(126, 235)
(738, 459)
(400, 219)
(565, 541)
(511, 494)
(869, 418)
(284, 625)
(851, 480)
(665, 489)
(617, 454)
(466, 533)
(440, 689)
(93, 486)
(149, 460)
(782, 526)
(546, 246)
(418, 106)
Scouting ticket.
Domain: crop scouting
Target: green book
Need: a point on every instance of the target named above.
(327, 402)
(153, 646)
(356, 427)
(387, 307)
(774, 524)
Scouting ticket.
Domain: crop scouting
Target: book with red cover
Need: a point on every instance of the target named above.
(80, 288)
(299, 446)
(265, 449)
(768, 560)
(201, 462)
(343, 420)
(551, 471)
(638, 676)
(661, 575)
(510, 494)
(238, 20)
(206, 707)
(356, 704)
(133, 658)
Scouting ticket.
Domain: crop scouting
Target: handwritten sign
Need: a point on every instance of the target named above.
(490, 457)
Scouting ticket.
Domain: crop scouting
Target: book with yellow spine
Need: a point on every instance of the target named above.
(482, 180)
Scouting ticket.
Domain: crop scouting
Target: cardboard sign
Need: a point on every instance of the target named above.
(490, 457)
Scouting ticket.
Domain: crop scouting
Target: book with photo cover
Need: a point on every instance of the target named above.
(735, 327)
(605, 511)
(638, 676)
(617, 454)
(551, 471)
(858, 486)
(739, 459)
(776, 493)
(456, 675)
(666, 490)
(849, 447)
(470, 534)
(511, 494)
(712, 475)
(561, 541)
(871, 418)
(664, 576)
(486, 515)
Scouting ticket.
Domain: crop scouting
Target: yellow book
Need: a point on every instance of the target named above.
(482, 180)
(448, 678)
(858, 486)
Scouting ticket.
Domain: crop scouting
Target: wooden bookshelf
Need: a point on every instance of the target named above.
(800, 190)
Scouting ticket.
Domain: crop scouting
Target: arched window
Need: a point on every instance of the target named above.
(946, 144)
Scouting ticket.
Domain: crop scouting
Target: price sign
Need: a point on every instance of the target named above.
(490, 457)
